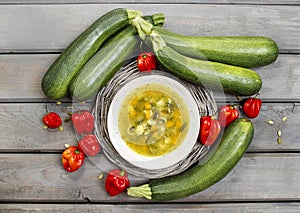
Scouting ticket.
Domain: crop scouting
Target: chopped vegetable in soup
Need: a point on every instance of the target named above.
(152, 124)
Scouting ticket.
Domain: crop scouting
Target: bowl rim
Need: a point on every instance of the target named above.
(171, 158)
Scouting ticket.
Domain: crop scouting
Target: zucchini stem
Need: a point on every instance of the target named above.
(158, 42)
(142, 27)
(140, 191)
(133, 13)
(158, 19)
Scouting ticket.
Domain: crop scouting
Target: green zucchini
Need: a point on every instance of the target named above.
(234, 142)
(242, 51)
(56, 80)
(213, 75)
(106, 62)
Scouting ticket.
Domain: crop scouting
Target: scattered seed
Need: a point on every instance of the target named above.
(270, 122)
(67, 119)
(279, 140)
(239, 97)
(58, 103)
(284, 118)
(279, 133)
(101, 176)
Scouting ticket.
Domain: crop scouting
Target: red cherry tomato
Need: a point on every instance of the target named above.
(52, 120)
(252, 106)
(89, 145)
(209, 130)
(116, 182)
(83, 122)
(146, 61)
(227, 114)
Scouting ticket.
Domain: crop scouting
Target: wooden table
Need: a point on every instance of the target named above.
(34, 32)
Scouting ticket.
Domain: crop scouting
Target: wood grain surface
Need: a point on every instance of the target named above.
(21, 76)
(269, 207)
(22, 128)
(42, 28)
(258, 2)
(41, 178)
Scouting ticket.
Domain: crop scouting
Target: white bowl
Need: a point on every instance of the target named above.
(171, 158)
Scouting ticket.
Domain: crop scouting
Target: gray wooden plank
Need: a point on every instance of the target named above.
(280, 78)
(40, 178)
(272, 2)
(292, 207)
(53, 27)
(21, 76)
(21, 128)
(265, 138)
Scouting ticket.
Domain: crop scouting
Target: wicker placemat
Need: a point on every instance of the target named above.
(206, 105)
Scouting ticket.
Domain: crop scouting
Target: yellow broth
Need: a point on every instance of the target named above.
(153, 120)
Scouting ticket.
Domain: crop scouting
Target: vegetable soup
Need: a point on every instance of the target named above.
(153, 120)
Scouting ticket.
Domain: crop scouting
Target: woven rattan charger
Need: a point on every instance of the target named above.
(206, 105)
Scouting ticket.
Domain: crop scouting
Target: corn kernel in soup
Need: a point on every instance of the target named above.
(151, 122)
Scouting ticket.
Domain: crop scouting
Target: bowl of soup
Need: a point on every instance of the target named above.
(153, 121)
